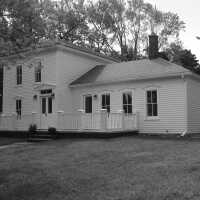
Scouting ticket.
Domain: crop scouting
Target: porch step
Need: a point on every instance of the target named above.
(41, 136)
(38, 139)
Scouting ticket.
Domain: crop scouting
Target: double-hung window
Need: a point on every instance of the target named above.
(152, 103)
(19, 74)
(19, 108)
(88, 103)
(127, 103)
(105, 102)
(38, 74)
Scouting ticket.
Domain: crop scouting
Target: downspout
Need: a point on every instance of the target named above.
(185, 132)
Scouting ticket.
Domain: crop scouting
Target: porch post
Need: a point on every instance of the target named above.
(103, 119)
(122, 119)
(60, 122)
(14, 120)
(81, 117)
(2, 121)
(34, 117)
(136, 120)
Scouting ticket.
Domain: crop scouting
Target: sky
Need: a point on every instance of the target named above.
(189, 12)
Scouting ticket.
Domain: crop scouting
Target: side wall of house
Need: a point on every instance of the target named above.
(193, 99)
(25, 91)
(171, 103)
(71, 66)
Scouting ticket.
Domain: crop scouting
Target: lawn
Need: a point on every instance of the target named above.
(10, 140)
(96, 169)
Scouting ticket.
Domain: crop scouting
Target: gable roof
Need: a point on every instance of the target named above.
(54, 45)
(132, 70)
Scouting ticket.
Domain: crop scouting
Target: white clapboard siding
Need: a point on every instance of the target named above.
(71, 66)
(25, 91)
(60, 67)
(171, 106)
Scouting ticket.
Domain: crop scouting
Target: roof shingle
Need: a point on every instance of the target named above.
(129, 70)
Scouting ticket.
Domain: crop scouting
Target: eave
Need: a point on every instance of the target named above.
(138, 78)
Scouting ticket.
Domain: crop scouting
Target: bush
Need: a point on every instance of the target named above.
(32, 128)
(52, 131)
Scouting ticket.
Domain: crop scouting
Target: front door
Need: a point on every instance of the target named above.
(47, 119)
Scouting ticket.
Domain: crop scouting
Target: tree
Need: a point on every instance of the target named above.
(100, 22)
(137, 25)
(104, 26)
(22, 25)
(188, 60)
(65, 20)
(166, 25)
(177, 54)
(116, 9)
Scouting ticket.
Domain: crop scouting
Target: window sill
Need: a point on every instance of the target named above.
(37, 83)
(18, 86)
(152, 119)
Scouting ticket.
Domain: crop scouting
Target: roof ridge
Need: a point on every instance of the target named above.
(51, 43)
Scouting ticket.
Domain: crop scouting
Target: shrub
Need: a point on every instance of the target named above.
(32, 128)
(52, 131)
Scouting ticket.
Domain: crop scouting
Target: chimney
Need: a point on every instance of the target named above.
(153, 46)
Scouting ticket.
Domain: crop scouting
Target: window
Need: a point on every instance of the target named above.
(105, 102)
(88, 104)
(38, 74)
(19, 74)
(44, 105)
(47, 105)
(127, 103)
(152, 103)
(48, 91)
(19, 108)
(50, 105)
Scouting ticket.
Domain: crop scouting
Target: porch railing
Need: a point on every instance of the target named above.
(99, 121)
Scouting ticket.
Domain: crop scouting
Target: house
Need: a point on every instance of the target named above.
(71, 88)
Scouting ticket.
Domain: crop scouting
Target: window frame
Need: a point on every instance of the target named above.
(127, 104)
(84, 103)
(152, 117)
(38, 74)
(19, 75)
(50, 105)
(106, 106)
(18, 108)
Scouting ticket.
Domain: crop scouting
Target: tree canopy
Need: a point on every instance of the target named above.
(114, 27)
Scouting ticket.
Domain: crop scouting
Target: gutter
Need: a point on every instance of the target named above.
(136, 78)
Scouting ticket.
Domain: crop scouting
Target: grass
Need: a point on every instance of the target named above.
(9, 140)
(112, 169)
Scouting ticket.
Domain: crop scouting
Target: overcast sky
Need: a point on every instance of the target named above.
(189, 12)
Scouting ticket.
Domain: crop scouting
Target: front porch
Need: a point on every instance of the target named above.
(75, 122)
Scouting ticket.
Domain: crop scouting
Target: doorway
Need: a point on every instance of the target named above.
(47, 117)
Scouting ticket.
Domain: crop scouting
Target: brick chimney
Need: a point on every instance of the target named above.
(153, 46)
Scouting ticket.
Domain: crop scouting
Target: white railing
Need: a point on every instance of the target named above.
(13, 122)
(24, 122)
(99, 121)
(115, 121)
(7, 122)
(91, 121)
(69, 121)
(131, 121)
